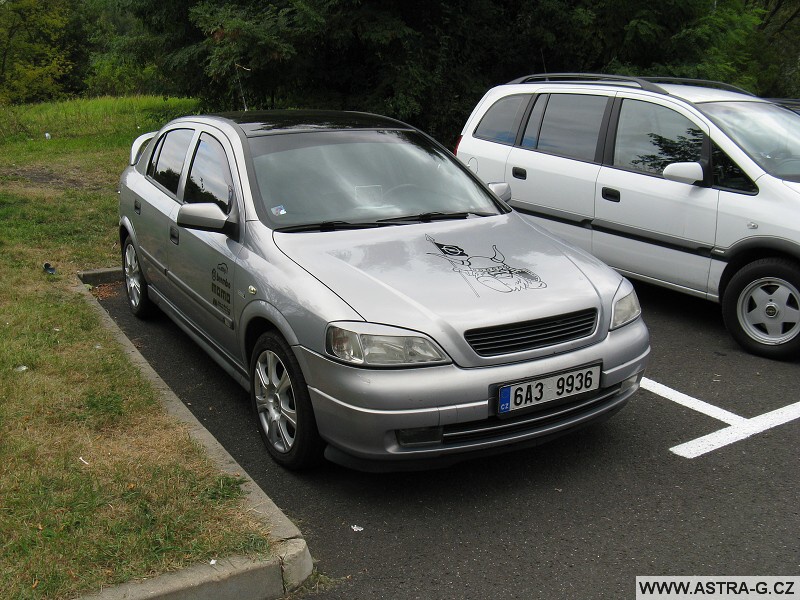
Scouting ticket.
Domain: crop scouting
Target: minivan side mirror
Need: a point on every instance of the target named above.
(502, 190)
(684, 172)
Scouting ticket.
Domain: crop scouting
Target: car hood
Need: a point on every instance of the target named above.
(445, 278)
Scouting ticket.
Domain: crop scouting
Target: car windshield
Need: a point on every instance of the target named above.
(341, 178)
(768, 133)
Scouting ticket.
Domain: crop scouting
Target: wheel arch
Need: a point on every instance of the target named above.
(258, 318)
(755, 249)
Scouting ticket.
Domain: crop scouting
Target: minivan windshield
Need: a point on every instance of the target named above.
(360, 177)
(768, 133)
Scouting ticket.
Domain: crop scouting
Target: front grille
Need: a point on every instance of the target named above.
(529, 335)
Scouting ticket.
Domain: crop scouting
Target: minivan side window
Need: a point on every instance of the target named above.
(571, 125)
(501, 121)
(169, 163)
(210, 176)
(650, 137)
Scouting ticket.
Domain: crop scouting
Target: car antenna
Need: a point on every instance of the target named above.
(239, 79)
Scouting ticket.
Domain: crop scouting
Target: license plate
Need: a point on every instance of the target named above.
(526, 394)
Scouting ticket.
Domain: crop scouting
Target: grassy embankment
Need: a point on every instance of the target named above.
(97, 485)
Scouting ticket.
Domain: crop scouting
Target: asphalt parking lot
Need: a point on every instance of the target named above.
(698, 477)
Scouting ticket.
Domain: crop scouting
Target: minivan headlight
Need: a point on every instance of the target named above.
(626, 306)
(380, 346)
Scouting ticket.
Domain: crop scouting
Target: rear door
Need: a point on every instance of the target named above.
(156, 203)
(645, 225)
(554, 168)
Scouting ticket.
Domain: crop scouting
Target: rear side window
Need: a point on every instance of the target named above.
(171, 154)
(571, 125)
(650, 137)
(501, 121)
(210, 176)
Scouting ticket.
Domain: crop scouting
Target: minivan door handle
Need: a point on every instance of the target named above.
(137, 207)
(611, 194)
(519, 173)
(173, 235)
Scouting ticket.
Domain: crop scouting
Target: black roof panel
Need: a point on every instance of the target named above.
(284, 121)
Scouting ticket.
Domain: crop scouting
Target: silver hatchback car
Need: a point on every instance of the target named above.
(383, 307)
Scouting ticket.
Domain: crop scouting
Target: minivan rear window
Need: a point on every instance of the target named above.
(501, 121)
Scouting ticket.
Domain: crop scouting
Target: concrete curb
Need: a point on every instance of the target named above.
(233, 577)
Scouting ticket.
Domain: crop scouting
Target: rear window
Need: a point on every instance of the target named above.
(501, 121)
(571, 125)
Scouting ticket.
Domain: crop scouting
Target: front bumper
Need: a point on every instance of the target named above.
(359, 411)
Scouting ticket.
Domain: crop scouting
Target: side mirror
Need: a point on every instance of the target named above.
(684, 172)
(502, 190)
(204, 216)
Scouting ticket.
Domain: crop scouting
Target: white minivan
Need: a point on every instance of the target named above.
(689, 184)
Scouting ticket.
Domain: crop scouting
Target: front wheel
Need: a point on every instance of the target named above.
(761, 308)
(135, 284)
(282, 405)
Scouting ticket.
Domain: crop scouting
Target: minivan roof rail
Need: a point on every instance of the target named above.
(598, 78)
(649, 84)
(717, 85)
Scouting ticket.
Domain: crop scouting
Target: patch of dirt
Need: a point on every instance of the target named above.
(48, 177)
(106, 290)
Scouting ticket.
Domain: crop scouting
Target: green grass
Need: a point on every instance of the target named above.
(97, 485)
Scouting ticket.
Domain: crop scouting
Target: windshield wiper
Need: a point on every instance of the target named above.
(330, 226)
(427, 217)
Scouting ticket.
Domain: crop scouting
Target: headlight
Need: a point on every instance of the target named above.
(380, 346)
(626, 306)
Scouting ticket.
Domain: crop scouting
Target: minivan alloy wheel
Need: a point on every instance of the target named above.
(135, 283)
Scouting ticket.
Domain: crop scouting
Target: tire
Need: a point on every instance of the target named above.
(282, 406)
(761, 308)
(135, 284)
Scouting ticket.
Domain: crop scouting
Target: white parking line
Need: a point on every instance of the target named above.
(740, 428)
(693, 403)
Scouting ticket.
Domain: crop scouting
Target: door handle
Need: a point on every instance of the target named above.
(173, 235)
(611, 194)
(519, 173)
(137, 207)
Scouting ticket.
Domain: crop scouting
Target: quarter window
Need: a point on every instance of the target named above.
(501, 121)
(728, 175)
(571, 125)
(210, 176)
(170, 159)
(650, 137)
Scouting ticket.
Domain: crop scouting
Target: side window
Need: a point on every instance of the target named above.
(171, 154)
(210, 175)
(151, 167)
(650, 137)
(531, 137)
(728, 175)
(571, 125)
(501, 121)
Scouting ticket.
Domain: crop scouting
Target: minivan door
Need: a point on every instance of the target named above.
(645, 225)
(554, 167)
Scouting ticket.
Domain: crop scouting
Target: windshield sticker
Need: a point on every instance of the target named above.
(278, 211)
(490, 271)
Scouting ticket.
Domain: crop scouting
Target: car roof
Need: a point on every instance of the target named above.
(257, 123)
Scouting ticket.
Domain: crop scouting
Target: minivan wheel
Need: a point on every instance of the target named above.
(281, 404)
(135, 284)
(761, 308)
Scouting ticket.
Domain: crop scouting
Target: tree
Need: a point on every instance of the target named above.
(33, 57)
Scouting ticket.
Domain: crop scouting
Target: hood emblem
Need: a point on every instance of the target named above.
(490, 271)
